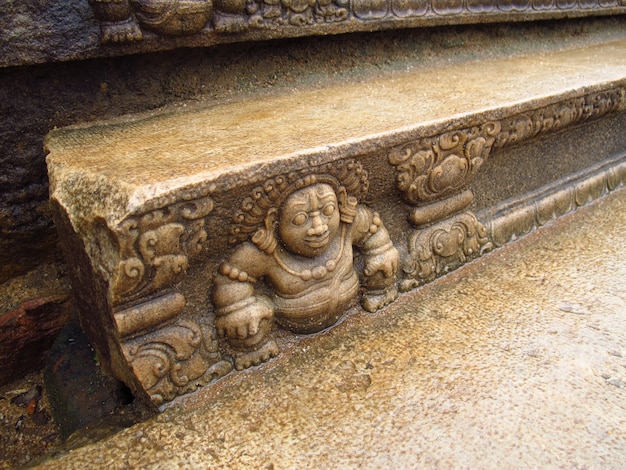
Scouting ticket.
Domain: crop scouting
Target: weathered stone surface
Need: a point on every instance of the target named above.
(489, 367)
(35, 99)
(148, 205)
(34, 32)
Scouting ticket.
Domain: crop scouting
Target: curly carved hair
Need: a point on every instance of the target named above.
(346, 174)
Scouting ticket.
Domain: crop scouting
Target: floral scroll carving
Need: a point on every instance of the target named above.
(176, 359)
(443, 247)
(155, 247)
(435, 167)
(125, 20)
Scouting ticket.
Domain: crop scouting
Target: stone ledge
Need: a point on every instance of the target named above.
(38, 32)
(157, 211)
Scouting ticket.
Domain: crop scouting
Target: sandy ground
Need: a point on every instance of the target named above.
(518, 360)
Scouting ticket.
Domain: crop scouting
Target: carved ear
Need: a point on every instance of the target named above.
(347, 205)
(342, 196)
(270, 219)
(264, 238)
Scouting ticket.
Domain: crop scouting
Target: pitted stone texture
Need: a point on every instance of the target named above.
(515, 361)
(145, 204)
(130, 160)
(37, 31)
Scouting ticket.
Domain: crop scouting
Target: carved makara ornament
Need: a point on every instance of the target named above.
(297, 233)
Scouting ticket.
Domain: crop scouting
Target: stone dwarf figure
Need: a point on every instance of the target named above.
(304, 227)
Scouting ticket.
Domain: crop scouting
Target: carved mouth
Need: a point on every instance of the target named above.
(317, 241)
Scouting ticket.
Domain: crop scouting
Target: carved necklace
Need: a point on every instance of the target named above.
(318, 272)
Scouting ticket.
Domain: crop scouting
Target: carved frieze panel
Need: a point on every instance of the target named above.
(155, 247)
(296, 235)
(440, 167)
(433, 176)
(125, 20)
(443, 247)
(296, 239)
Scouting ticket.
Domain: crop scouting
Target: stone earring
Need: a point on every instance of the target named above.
(265, 238)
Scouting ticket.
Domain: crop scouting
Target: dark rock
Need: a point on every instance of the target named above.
(27, 333)
(80, 393)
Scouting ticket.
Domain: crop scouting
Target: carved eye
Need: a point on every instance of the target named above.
(299, 219)
(328, 209)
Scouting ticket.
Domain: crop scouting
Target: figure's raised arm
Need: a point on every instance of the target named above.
(241, 315)
(381, 259)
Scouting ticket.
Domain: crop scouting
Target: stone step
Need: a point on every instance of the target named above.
(517, 360)
(204, 238)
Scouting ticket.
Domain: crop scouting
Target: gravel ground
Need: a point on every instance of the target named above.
(27, 429)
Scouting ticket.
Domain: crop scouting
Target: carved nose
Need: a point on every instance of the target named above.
(318, 227)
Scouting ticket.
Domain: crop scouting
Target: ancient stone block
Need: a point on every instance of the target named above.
(205, 239)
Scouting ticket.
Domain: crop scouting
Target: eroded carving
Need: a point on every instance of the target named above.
(175, 359)
(123, 20)
(443, 247)
(297, 233)
(155, 247)
(530, 124)
(435, 167)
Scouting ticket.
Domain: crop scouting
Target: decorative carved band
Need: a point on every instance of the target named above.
(123, 20)
(155, 247)
(443, 247)
(557, 116)
(438, 166)
(175, 359)
(515, 218)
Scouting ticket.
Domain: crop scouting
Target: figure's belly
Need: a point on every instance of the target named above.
(317, 307)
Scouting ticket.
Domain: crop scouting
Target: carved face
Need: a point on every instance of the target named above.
(309, 220)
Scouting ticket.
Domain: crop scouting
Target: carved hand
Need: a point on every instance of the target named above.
(386, 263)
(244, 322)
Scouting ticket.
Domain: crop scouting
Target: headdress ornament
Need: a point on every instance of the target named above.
(345, 176)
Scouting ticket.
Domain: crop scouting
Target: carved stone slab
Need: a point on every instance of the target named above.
(34, 31)
(202, 240)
